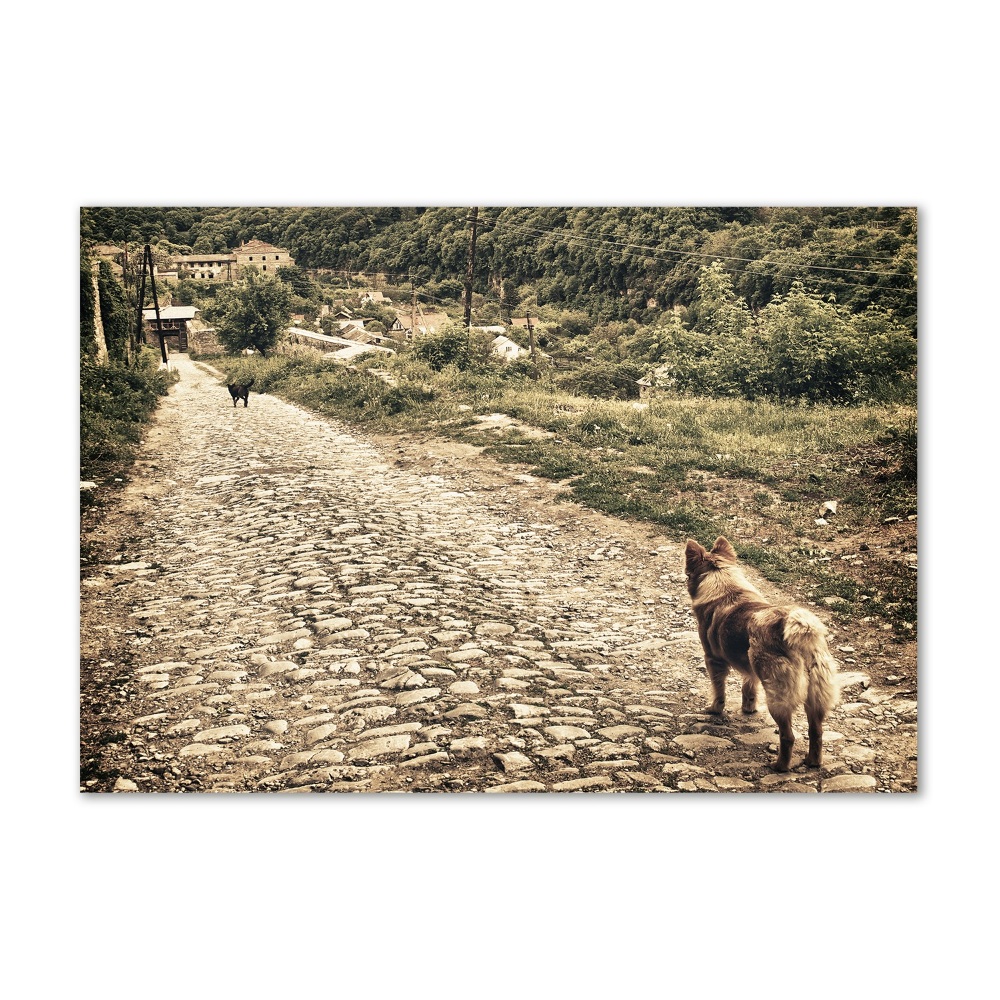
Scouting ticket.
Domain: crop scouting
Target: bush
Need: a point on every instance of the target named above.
(603, 380)
(116, 401)
(802, 347)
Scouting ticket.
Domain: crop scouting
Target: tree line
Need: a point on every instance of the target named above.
(613, 263)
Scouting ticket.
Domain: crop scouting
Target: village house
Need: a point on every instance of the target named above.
(262, 255)
(226, 266)
(205, 267)
(507, 349)
(429, 322)
(357, 333)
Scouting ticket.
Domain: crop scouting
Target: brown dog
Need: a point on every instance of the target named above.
(783, 648)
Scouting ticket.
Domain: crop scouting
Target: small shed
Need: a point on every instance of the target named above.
(654, 380)
(175, 324)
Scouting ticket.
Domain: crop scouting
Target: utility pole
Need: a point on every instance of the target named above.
(413, 308)
(469, 269)
(147, 264)
(531, 344)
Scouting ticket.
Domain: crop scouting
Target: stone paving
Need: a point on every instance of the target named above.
(293, 610)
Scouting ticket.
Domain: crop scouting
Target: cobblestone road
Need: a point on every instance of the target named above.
(290, 608)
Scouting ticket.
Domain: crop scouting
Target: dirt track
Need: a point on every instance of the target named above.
(277, 604)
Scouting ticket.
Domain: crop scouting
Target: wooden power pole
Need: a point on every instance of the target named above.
(413, 308)
(531, 345)
(469, 269)
(147, 264)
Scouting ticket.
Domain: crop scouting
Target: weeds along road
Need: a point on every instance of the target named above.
(276, 604)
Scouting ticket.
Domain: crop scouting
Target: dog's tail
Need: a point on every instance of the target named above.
(805, 637)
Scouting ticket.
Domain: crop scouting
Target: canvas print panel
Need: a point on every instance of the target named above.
(498, 499)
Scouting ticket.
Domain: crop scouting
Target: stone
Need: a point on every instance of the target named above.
(517, 786)
(698, 741)
(380, 747)
(621, 732)
(221, 733)
(522, 711)
(319, 733)
(415, 697)
(403, 727)
(464, 655)
(467, 710)
(849, 783)
(494, 628)
(200, 749)
(513, 761)
(733, 784)
(431, 758)
(567, 732)
(579, 784)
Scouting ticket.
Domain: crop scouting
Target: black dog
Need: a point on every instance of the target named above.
(240, 392)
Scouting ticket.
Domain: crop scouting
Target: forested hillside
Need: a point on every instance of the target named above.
(613, 264)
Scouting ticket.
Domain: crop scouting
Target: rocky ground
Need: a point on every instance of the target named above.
(277, 603)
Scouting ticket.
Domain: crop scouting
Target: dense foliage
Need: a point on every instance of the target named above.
(116, 400)
(613, 263)
(119, 393)
(800, 346)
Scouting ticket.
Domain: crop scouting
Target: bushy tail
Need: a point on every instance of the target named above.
(805, 637)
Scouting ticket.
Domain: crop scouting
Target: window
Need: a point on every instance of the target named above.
(263, 267)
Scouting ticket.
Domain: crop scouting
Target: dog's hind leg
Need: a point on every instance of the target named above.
(786, 738)
(749, 694)
(718, 671)
(815, 716)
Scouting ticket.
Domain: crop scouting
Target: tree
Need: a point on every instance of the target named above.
(719, 311)
(251, 313)
(297, 280)
(116, 318)
(813, 350)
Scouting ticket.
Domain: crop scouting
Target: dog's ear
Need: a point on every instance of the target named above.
(724, 549)
(693, 552)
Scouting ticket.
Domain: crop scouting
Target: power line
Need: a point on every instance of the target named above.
(654, 253)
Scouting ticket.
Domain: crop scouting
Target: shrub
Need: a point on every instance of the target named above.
(603, 380)
(116, 401)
